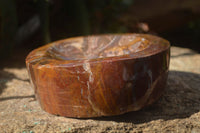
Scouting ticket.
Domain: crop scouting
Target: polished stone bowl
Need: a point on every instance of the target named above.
(99, 75)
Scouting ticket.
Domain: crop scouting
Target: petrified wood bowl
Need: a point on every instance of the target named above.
(99, 75)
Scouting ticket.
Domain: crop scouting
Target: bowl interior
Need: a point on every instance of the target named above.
(101, 46)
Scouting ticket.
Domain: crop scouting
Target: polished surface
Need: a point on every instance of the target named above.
(99, 75)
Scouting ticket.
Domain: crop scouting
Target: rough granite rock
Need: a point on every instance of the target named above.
(178, 110)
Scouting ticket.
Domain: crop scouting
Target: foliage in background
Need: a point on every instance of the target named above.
(77, 17)
(37, 22)
(44, 19)
(8, 26)
(106, 15)
(194, 28)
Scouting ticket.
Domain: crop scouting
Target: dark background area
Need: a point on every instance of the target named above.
(28, 24)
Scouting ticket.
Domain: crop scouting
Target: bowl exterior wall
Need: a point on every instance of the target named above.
(101, 88)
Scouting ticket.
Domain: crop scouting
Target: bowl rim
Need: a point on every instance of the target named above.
(35, 56)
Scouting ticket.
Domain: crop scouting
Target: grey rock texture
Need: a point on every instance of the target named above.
(178, 110)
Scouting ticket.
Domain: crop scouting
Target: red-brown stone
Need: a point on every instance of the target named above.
(99, 75)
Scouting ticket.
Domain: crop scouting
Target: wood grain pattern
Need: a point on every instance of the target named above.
(99, 75)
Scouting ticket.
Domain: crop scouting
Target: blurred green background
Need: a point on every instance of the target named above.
(27, 24)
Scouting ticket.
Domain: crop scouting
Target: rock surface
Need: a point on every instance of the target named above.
(178, 110)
